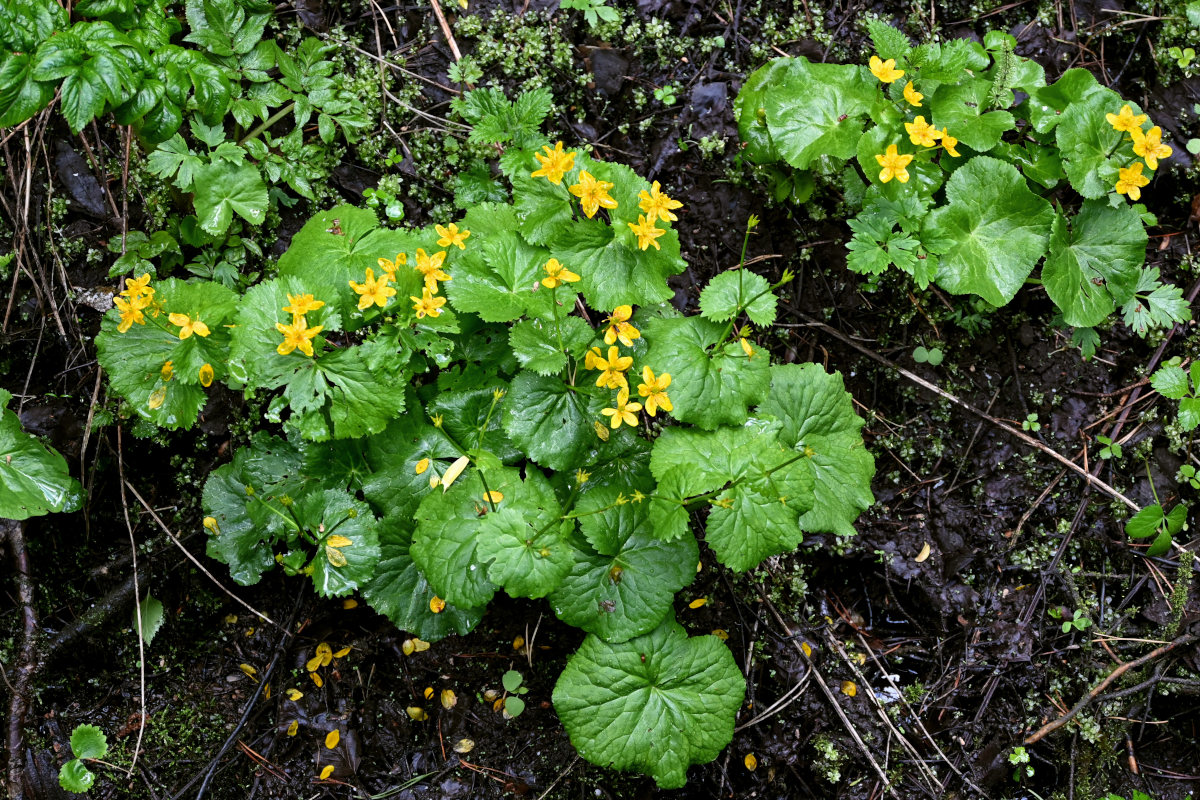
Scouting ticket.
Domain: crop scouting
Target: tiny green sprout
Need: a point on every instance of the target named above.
(466, 70)
(1019, 758)
(88, 743)
(928, 355)
(1187, 474)
(513, 705)
(1183, 57)
(1077, 621)
(1030, 423)
(667, 95)
(1111, 449)
(593, 11)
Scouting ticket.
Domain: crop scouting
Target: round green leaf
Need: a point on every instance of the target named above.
(340, 569)
(88, 741)
(817, 110)
(75, 777)
(657, 703)
(34, 479)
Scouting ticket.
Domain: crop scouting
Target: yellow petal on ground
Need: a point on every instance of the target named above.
(325, 652)
(417, 713)
(518, 642)
(294, 694)
(327, 771)
(249, 670)
(332, 738)
(317, 679)
(464, 746)
(338, 541)
(349, 603)
(449, 699)
(849, 689)
(420, 646)
(436, 604)
(924, 554)
(698, 602)
(294, 728)
(428, 692)
(721, 634)
(345, 651)
(267, 691)
(313, 664)
(231, 619)
(454, 471)
(750, 761)
(407, 647)
(806, 648)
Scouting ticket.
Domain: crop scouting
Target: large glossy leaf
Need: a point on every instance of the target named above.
(1094, 261)
(817, 110)
(34, 479)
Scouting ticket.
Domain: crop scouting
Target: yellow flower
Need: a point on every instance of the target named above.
(613, 368)
(300, 304)
(619, 327)
(188, 326)
(555, 163)
(922, 133)
(657, 205)
(372, 291)
(206, 375)
(624, 411)
(885, 70)
(913, 97)
(646, 232)
(893, 165)
(1149, 146)
(1126, 122)
(451, 235)
(655, 391)
(130, 313)
(137, 287)
(592, 194)
(427, 304)
(168, 371)
(431, 268)
(1131, 180)
(948, 142)
(390, 267)
(558, 274)
(297, 336)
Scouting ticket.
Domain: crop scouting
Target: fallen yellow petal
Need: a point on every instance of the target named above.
(924, 554)
(449, 699)
(518, 642)
(806, 648)
(750, 761)
(317, 679)
(721, 634)
(493, 497)
(313, 664)
(249, 670)
(349, 603)
(326, 771)
(417, 713)
(267, 691)
(464, 746)
(849, 689)
(338, 541)
(420, 646)
(345, 651)
(325, 652)
(698, 602)
(294, 694)
(332, 738)
(336, 557)
(454, 471)
(436, 604)
(428, 692)
(231, 619)
(407, 647)
(294, 728)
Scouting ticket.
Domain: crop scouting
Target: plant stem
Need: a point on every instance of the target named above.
(267, 123)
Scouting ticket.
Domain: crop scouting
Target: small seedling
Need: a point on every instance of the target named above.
(1183, 57)
(932, 356)
(1031, 423)
(1111, 449)
(466, 70)
(87, 744)
(1019, 758)
(1157, 522)
(1187, 474)
(1079, 621)
(667, 95)
(593, 11)
(513, 705)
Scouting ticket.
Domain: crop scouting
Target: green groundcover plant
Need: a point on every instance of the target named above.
(34, 479)
(507, 403)
(968, 170)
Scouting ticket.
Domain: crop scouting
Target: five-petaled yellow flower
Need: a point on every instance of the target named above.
(948, 142)
(427, 304)
(657, 205)
(619, 327)
(1149, 146)
(390, 267)
(297, 336)
(206, 375)
(373, 291)
(451, 236)
(913, 97)
(188, 326)
(136, 287)
(555, 164)
(1130, 181)
(592, 194)
(646, 233)
(300, 304)
(922, 133)
(1126, 121)
(557, 275)
(885, 70)
(894, 165)
(431, 268)
(625, 411)
(131, 312)
(612, 369)
(655, 391)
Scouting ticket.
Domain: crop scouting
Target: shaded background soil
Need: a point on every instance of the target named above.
(937, 614)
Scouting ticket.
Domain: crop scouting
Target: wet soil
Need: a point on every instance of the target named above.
(932, 630)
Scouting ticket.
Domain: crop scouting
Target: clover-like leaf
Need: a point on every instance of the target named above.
(34, 479)
(996, 229)
(88, 741)
(819, 421)
(401, 593)
(709, 387)
(657, 703)
(75, 777)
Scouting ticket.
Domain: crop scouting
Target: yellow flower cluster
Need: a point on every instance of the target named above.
(593, 195)
(892, 163)
(613, 366)
(138, 296)
(298, 336)
(430, 267)
(1146, 144)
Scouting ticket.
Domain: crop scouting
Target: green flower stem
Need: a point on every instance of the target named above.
(496, 396)
(267, 123)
